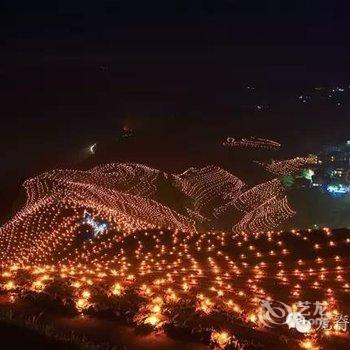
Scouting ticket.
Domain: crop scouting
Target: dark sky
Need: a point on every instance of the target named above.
(74, 72)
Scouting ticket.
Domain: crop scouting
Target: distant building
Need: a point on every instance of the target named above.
(334, 168)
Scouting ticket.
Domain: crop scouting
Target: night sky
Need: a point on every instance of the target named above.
(176, 72)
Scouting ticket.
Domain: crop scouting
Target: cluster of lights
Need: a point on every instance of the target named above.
(218, 272)
(152, 250)
(252, 142)
(290, 166)
(97, 226)
(338, 189)
(269, 214)
(124, 195)
(209, 185)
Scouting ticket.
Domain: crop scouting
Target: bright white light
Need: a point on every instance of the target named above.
(338, 189)
(97, 226)
(92, 148)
